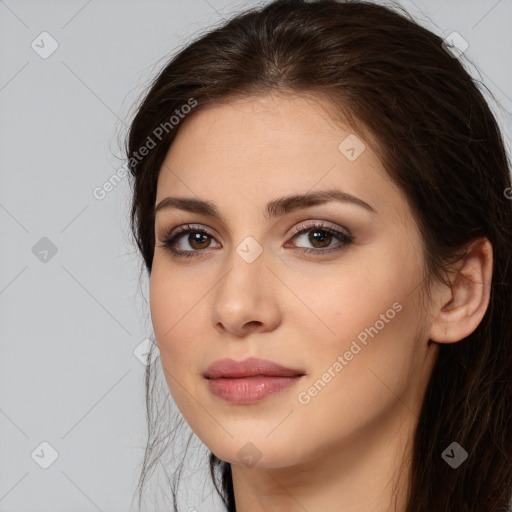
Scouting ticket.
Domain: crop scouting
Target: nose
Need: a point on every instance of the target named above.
(246, 297)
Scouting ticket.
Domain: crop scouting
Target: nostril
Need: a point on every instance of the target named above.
(254, 322)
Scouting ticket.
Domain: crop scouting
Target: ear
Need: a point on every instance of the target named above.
(459, 309)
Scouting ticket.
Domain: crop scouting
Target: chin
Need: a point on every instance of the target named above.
(261, 454)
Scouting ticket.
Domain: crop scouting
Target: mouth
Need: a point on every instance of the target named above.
(250, 380)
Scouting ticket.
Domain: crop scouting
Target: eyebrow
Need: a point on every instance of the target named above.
(275, 208)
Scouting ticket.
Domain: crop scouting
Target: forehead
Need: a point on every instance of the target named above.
(274, 120)
(269, 146)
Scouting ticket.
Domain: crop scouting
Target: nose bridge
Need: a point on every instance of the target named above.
(244, 293)
(246, 266)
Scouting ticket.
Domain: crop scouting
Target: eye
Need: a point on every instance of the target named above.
(199, 239)
(320, 236)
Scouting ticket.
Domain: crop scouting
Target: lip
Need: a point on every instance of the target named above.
(250, 380)
(251, 367)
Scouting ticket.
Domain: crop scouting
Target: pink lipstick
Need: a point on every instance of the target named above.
(250, 380)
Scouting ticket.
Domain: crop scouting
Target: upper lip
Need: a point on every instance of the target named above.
(229, 368)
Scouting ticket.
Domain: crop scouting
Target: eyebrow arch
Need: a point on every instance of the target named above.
(275, 208)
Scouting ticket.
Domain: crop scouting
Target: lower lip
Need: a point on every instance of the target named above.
(250, 389)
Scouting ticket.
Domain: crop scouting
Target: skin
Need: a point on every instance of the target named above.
(341, 450)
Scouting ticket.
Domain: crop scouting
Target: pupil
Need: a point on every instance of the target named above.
(318, 236)
(196, 239)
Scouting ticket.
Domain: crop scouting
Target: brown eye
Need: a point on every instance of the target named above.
(320, 237)
(197, 240)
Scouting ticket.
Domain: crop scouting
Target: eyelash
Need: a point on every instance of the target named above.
(169, 239)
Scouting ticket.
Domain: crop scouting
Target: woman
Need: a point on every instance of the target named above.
(319, 196)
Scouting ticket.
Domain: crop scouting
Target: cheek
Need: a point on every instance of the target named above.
(179, 314)
(173, 297)
(169, 316)
(170, 304)
(161, 304)
(369, 318)
(374, 354)
(338, 305)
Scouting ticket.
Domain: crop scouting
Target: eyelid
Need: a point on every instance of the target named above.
(169, 238)
(311, 224)
(164, 232)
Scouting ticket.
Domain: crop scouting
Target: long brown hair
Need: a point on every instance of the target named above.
(438, 141)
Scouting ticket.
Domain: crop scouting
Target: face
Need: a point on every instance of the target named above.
(328, 287)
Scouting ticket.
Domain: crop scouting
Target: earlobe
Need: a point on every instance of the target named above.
(462, 306)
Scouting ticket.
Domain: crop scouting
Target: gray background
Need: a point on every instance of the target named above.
(70, 321)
